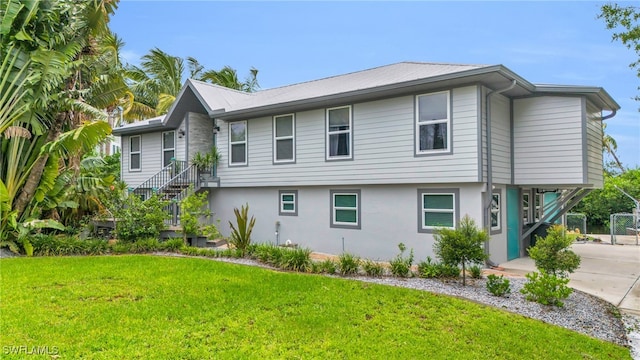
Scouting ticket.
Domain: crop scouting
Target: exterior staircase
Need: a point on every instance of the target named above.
(171, 184)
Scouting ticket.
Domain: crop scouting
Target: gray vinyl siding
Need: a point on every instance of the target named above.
(594, 146)
(501, 139)
(200, 134)
(150, 158)
(548, 146)
(381, 227)
(383, 148)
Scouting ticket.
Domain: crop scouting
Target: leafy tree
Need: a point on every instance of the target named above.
(139, 219)
(461, 245)
(601, 203)
(192, 209)
(551, 254)
(623, 20)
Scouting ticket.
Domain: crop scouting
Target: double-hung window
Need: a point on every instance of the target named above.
(437, 209)
(238, 143)
(168, 147)
(345, 209)
(495, 212)
(288, 202)
(433, 122)
(135, 153)
(284, 144)
(339, 133)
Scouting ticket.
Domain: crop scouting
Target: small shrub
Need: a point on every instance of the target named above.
(551, 254)
(349, 264)
(328, 266)
(139, 219)
(192, 208)
(50, 245)
(400, 265)
(241, 232)
(171, 245)
(546, 289)
(269, 254)
(121, 248)
(372, 268)
(430, 269)
(144, 246)
(475, 271)
(295, 260)
(498, 285)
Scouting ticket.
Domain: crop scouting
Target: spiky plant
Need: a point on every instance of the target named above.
(241, 235)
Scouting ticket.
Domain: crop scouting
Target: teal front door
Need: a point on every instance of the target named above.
(513, 223)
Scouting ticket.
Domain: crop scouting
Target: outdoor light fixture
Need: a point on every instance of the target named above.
(180, 133)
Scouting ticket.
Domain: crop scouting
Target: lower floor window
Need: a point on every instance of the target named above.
(495, 212)
(288, 202)
(345, 208)
(437, 208)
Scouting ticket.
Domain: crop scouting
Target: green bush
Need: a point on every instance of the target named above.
(546, 289)
(349, 264)
(430, 269)
(551, 254)
(139, 219)
(498, 285)
(328, 266)
(461, 245)
(475, 271)
(295, 260)
(50, 245)
(121, 248)
(269, 254)
(400, 265)
(144, 246)
(241, 232)
(372, 268)
(171, 245)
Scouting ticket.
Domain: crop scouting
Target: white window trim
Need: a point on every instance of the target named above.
(139, 152)
(278, 138)
(525, 209)
(334, 209)
(293, 193)
(418, 123)
(168, 149)
(424, 210)
(245, 142)
(329, 133)
(496, 210)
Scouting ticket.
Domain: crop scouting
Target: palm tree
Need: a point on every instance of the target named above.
(610, 146)
(228, 77)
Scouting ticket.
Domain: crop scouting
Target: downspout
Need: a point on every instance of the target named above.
(489, 194)
(613, 113)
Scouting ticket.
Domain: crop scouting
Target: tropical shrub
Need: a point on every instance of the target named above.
(546, 289)
(475, 271)
(295, 259)
(193, 210)
(400, 266)
(139, 219)
(241, 232)
(172, 245)
(372, 268)
(431, 269)
(461, 245)
(144, 246)
(349, 264)
(551, 254)
(328, 266)
(52, 245)
(498, 285)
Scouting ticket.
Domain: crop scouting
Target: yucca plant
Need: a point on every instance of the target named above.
(241, 235)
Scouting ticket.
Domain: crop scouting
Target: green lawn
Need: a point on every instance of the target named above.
(126, 307)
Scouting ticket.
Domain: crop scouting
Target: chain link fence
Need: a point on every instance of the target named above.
(625, 228)
(574, 221)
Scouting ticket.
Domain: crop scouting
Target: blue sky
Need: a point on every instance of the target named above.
(291, 42)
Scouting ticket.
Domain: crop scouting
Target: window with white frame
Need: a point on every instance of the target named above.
(437, 208)
(345, 208)
(339, 133)
(433, 123)
(238, 143)
(168, 147)
(135, 153)
(288, 202)
(284, 139)
(525, 208)
(496, 213)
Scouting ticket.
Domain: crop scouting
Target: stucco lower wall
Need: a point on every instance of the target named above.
(389, 215)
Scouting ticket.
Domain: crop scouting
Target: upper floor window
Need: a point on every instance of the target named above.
(433, 121)
(284, 139)
(168, 147)
(238, 143)
(339, 133)
(135, 153)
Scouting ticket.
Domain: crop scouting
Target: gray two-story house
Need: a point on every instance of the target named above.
(363, 161)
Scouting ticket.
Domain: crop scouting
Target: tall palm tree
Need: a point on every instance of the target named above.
(610, 146)
(228, 77)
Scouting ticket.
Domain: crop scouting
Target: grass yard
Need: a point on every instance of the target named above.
(150, 307)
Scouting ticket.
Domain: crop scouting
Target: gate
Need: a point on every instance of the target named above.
(625, 228)
(576, 221)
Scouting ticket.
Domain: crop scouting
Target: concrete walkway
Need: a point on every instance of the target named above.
(610, 272)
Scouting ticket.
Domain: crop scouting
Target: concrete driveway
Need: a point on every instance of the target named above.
(610, 272)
